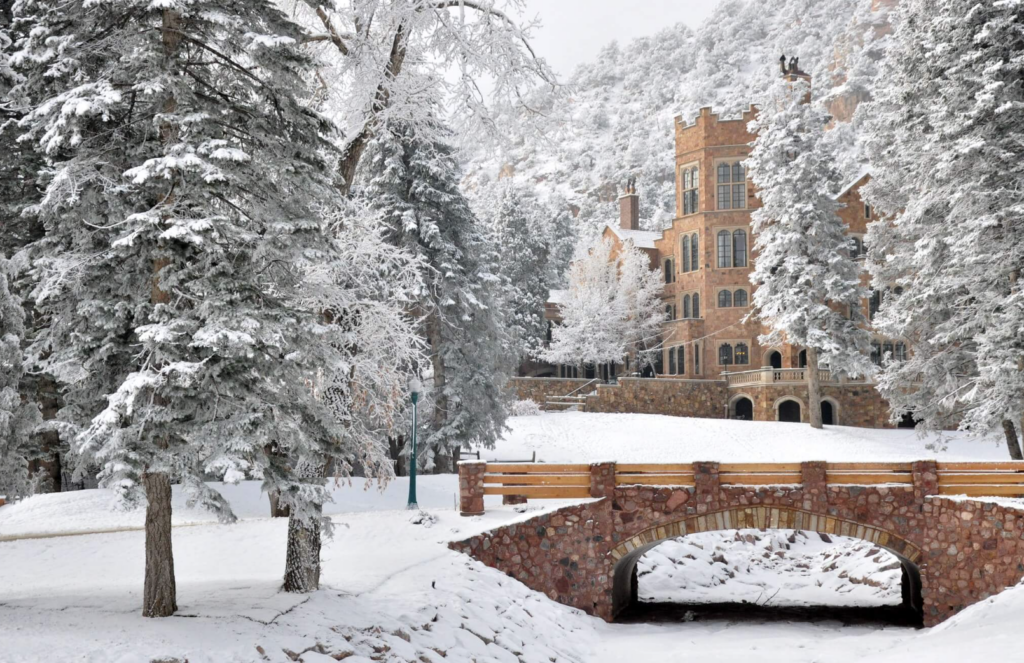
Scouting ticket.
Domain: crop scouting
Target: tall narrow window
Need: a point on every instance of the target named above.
(874, 303)
(724, 190)
(739, 248)
(681, 363)
(858, 248)
(671, 361)
(668, 312)
(724, 253)
(739, 298)
(696, 306)
(690, 187)
(669, 276)
(686, 253)
(686, 306)
(742, 355)
(867, 211)
(900, 352)
(694, 257)
(696, 358)
(739, 186)
(876, 353)
(724, 299)
(724, 354)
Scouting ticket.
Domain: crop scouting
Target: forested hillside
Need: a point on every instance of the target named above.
(617, 119)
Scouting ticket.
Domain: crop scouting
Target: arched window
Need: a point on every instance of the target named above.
(725, 354)
(724, 299)
(739, 248)
(694, 258)
(686, 253)
(668, 311)
(742, 355)
(724, 253)
(671, 361)
(686, 306)
(739, 298)
(696, 306)
(668, 271)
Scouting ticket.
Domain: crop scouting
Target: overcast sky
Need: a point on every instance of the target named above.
(575, 30)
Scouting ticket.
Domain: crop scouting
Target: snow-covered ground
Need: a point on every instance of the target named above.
(394, 592)
(577, 437)
(776, 567)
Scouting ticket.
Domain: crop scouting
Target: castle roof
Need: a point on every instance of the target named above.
(864, 172)
(642, 239)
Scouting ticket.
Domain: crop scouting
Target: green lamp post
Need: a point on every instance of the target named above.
(415, 388)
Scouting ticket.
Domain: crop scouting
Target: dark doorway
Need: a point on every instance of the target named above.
(827, 415)
(907, 421)
(789, 411)
(775, 359)
(802, 359)
(589, 372)
(743, 409)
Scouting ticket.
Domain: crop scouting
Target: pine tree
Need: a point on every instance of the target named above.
(180, 206)
(562, 240)
(18, 419)
(523, 269)
(413, 182)
(945, 138)
(808, 287)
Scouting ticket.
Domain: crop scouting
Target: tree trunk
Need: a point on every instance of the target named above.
(440, 415)
(302, 566)
(813, 389)
(277, 510)
(1011, 440)
(159, 593)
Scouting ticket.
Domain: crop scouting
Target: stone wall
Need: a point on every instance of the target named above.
(858, 404)
(680, 398)
(540, 389)
(961, 552)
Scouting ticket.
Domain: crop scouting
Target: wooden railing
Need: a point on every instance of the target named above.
(568, 481)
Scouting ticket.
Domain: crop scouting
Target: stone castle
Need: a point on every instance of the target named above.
(712, 364)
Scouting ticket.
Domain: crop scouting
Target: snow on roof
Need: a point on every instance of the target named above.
(558, 297)
(864, 172)
(642, 239)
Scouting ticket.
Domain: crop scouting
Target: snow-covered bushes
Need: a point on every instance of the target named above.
(525, 408)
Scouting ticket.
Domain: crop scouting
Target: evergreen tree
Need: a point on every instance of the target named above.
(945, 135)
(180, 213)
(562, 240)
(523, 255)
(413, 182)
(18, 419)
(808, 286)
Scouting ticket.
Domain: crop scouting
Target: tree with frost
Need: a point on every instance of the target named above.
(639, 294)
(523, 253)
(808, 286)
(563, 235)
(390, 61)
(182, 203)
(945, 135)
(18, 419)
(412, 181)
(613, 307)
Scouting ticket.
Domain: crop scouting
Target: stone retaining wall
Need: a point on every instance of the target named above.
(540, 390)
(680, 398)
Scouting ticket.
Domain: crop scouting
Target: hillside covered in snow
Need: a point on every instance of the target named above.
(615, 118)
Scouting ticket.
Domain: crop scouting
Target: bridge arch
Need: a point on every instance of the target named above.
(627, 553)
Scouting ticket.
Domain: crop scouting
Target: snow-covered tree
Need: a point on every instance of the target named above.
(18, 418)
(181, 206)
(946, 141)
(613, 307)
(413, 182)
(808, 287)
(563, 236)
(522, 245)
(639, 294)
(392, 61)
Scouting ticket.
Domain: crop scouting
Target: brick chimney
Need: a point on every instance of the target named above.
(629, 207)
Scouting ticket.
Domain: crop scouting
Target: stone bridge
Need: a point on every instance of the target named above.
(954, 551)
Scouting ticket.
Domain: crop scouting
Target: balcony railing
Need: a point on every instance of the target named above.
(770, 375)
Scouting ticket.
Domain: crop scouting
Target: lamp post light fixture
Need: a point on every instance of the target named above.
(415, 389)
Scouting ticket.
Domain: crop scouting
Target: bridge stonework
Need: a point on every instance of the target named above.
(585, 555)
